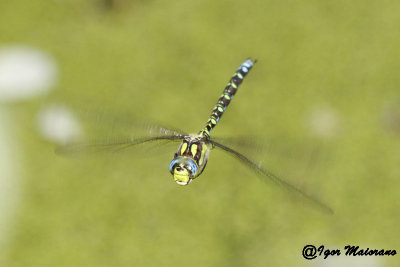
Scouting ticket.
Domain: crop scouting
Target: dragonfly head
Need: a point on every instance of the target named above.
(184, 170)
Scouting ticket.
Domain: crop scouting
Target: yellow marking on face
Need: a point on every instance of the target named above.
(181, 176)
(183, 149)
(193, 149)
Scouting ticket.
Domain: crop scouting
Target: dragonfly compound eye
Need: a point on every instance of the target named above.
(183, 169)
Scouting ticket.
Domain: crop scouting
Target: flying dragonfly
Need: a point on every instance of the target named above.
(192, 155)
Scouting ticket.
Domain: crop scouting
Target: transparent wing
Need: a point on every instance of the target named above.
(266, 174)
(126, 123)
(103, 131)
(254, 146)
(112, 125)
(111, 145)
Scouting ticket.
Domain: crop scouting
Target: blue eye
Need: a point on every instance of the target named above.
(186, 163)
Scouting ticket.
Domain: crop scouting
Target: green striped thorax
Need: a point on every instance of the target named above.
(192, 155)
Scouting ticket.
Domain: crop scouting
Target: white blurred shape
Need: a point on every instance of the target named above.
(324, 122)
(9, 182)
(58, 124)
(25, 72)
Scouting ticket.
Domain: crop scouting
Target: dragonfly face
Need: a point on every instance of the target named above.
(184, 170)
(190, 159)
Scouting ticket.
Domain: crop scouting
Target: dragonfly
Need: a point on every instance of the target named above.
(191, 157)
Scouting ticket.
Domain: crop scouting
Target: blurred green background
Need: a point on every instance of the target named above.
(327, 79)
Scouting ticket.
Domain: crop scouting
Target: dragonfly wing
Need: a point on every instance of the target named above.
(251, 145)
(114, 145)
(264, 173)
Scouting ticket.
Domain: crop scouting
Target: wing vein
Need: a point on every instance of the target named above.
(272, 177)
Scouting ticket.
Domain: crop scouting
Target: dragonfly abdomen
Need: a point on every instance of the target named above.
(227, 95)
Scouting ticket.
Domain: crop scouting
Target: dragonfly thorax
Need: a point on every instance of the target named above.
(190, 159)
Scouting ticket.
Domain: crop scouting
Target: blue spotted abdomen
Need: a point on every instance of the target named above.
(227, 95)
